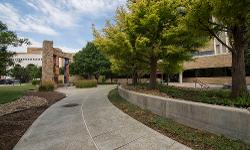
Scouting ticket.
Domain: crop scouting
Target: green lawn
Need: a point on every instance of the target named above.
(196, 139)
(11, 93)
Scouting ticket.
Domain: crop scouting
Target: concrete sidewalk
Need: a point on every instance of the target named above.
(86, 120)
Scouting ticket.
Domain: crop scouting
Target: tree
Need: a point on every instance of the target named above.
(118, 43)
(39, 73)
(158, 26)
(145, 34)
(247, 56)
(72, 69)
(8, 38)
(91, 62)
(33, 71)
(5, 60)
(20, 73)
(214, 17)
(171, 63)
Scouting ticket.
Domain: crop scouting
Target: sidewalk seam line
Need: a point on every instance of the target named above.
(84, 121)
(103, 133)
(130, 142)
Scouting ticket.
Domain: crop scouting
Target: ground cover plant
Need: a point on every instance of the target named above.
(193, 138)
(85, 83)
(47, 86)
(210, 96)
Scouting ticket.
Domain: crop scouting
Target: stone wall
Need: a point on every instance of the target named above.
(48, 61)
(228, 121)
(214, 80)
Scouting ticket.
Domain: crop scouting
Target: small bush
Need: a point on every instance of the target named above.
(103, 79)
(85, 83)
(35, 82)
(47, 86)
(212, 96)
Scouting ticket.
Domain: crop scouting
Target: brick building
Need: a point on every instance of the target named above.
(211, 64)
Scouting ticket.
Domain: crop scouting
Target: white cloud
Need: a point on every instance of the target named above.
(28, 23)
(32, 5)
(51, 17)
(52, 13)
(93, 7)
(66, 13)
(68, 49)
(56, 13)
(39, 44)
(23, 48)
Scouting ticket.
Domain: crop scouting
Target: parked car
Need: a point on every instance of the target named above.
(6, 81)
(9, 81)
(16, 81)
(2, 81)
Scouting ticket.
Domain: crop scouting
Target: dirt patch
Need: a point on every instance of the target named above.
(51, 97)
(14, 125)
(23, 103)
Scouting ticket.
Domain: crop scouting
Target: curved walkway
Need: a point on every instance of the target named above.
(86, 120)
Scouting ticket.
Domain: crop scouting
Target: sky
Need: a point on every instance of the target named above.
(68, 23)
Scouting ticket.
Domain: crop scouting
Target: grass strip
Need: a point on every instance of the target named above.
(10, 93)
(196, 139)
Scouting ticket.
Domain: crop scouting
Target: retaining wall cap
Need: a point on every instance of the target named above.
(244, 110)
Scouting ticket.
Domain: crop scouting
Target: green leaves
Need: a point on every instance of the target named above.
(8, 38)
(146, 32)
(90, 62)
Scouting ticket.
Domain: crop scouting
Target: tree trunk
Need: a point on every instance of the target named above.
(134, 79)
(167, 79)
(153, 69)
(97, 77)
(239, 87)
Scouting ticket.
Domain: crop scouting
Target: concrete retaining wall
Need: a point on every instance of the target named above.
(228, 121)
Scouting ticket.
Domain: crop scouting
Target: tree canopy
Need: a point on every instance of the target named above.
(144, 33)
(219, 19)
(8, 38)
(90, 62)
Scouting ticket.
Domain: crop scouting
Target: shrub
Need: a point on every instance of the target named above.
(47, 86)
(60, 82)
(85, 83)
(35, 82)
(103, 79)
(211, 96)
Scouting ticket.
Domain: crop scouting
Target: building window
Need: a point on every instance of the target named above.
(218, 49)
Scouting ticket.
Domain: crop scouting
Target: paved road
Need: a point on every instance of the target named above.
(86, 120)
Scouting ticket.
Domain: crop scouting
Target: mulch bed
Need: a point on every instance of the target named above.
(14, 125)
(146, 91)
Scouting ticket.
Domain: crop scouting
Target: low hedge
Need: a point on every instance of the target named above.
(47, 86)
(35, 82)
(211, 96)
(85, 83)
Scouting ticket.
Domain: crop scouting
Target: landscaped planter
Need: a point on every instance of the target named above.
(228, 121)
